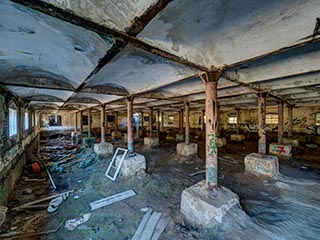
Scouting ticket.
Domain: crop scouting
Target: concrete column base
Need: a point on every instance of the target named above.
(88, 141)
(262, 164)
(79, 138)
(205, 209)
(187, 149)
(115, 135)
(291, 141)
(103, 150)
(132, 165)
(179, 137)
(221, 142)
(280, 150)
(237, 137)
(151, 142)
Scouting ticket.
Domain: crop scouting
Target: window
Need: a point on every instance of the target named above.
(317, 119)
(26, 120)
(232, 119)
(13, 120)
(272, 118)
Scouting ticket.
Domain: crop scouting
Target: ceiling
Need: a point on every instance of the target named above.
(74, 55)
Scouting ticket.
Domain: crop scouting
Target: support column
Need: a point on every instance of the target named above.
(162, 120)
(76, 122)
(211, 82)
(142, 120)
(130, 124)
(81, 123)
(290, 117)
(238, 119)
(150, 122)
(158, 128)
(202, 118)
(181, 121)
(89, 123)
(103, 123)
(262, 122)
(280, 122)
(187, 139)
(115, 121)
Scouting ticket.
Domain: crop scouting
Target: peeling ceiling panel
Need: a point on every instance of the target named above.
(117, 14)
(135, 71)
(34, 46)
(221, 32)
(37, 94)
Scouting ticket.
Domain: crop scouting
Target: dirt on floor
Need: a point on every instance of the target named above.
(284, 208)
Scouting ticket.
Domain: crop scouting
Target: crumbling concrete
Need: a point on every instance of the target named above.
(237, 137)
(280, 150)
(262, 164)
(151, 142)
(291, 141)
(132, 165)
(205, 208)
(103, 150)
(179, 137)
(221, 142)
(187, 149)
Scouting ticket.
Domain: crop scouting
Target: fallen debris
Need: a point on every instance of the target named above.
(112, 199)
(3, 212)
(113, 169)
(74, 223)
(137, 235)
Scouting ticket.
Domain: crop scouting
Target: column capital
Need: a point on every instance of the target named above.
(262, 94)
(130, 98)
(212, 76)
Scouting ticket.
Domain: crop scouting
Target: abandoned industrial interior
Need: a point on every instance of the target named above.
(159, 119)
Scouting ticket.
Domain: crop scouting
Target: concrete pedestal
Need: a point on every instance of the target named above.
(88, 141)
(237, 137)
(179, 137)
(187, 149)
(205, 208)
(103, 150)
(291, 141)
(221, 142)
(132, 165)
(151, 142)
(79, 138)
(262, 164)
(125, 138)
(280, 150)
(115, 135)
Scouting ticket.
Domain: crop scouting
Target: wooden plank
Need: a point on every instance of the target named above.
(150, 226)
(137, 235)
(161, 226)
(112, 199)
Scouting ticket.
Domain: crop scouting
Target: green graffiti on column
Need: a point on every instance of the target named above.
(212, 146)
(212, 174)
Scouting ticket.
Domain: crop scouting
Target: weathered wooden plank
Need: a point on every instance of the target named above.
(137, 235)
(150, 226)
(162, 224)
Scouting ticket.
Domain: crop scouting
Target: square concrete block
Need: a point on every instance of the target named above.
(262, 164)
(151, 141)
(221, 142)
(205, 209)
(187, 149)
(291, 141)
(88, 141)
(280, 150)
(179, 137)
(132, 164)
(103, 150)
(237, 137)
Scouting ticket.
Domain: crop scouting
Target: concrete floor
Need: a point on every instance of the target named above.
(284, 208)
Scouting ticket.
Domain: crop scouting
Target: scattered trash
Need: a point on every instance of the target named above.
(54, 203)
(73, 223)
(87, 163)
(3, 212)
(311, 146)
(112, 199)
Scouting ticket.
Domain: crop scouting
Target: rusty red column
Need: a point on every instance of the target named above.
(280, 122)
(181, 121)
(158, 128)
(262, 122)
(81, 123)
(290, 117)
(211, 82)
(150, 121)
(76, 122)
(162, 120)
(103, 123)
(89, 122)
(187, 131)
(130, 124)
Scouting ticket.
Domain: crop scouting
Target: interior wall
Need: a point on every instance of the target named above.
(15, 149)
